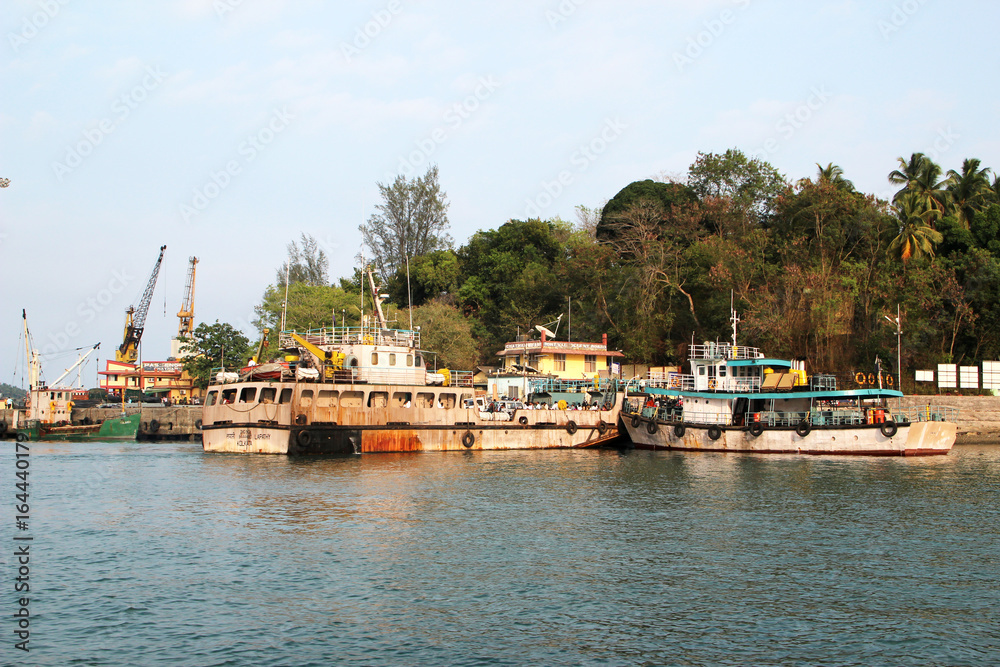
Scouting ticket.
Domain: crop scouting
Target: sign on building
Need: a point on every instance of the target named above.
(969, 377)
(925, 376)
(947, 376)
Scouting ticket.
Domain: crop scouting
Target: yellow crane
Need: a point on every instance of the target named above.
(135, 318)
(186, 313)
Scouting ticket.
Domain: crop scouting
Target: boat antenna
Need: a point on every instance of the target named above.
(284, 305)
(409, 295)
(733, 316)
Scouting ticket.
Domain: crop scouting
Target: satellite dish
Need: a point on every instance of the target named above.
(545, 331)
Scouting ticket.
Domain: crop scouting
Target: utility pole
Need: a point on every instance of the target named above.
(899, 345)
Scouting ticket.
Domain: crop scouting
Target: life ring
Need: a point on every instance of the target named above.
(652, 427)
(522, 420)
(755, 429)
(711, 385)
(571, 427)
(154, 425)
(304, 438)
(679, 430)
(197, 424)
(803, 428)
(636, 421)
(888, 380)
(602, 427)
(714, 432)
(888, 428)
(871, 378)
(468, 439)
(21, 437)
(860, 378)
(675, 382)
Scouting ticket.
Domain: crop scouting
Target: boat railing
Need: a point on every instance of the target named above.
(929, 413)
(550, 385)
(724, 351)
(354, 336)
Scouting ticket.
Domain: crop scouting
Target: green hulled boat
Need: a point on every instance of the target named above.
(110, 430)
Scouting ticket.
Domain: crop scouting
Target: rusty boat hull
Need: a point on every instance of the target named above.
(319, 419)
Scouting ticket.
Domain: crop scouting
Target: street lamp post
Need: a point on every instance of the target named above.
(899, 345)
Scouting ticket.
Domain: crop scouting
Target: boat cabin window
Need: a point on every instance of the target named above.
(306, 398)
(701, 370)
(409, 360)
(229, 395)
(446, 401)
(417, 361)
(425, 400)
(286, 395)
(378, 399)
(327, 398)
(267, 394)
(466, 398)
(402, 399)
(392, 358)
(722, 371)
(212, 397)
(248, 395)
(374, 358)
(352, 399)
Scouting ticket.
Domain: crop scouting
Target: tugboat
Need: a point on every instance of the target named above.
(737, 400)
(354, 390)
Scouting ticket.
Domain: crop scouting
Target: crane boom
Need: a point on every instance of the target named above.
(135, 318)
(186, 313)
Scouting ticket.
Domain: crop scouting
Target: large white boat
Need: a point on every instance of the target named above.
(368, 389)
(734, 399)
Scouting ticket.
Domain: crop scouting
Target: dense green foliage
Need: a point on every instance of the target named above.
(211, 347)
(813, 268)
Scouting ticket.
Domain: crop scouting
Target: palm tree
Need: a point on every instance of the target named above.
(834, 175)
(996, 190)
(917, 236)
(969, 190)
(920, 175)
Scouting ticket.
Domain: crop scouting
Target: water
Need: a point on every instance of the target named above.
(159, 554)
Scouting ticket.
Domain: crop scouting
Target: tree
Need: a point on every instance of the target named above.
(751, 184)
(431, 275)
(917, 236)
(446, 332)
(308, 308)
(411, 220)
(969, 190)
(209, 346)
(665, 195)
(307, 264)
(920, 176)
(834, 175)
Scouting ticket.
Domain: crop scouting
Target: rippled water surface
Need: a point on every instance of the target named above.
(159, 554)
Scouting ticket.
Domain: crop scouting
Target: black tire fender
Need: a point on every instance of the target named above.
(197, 424)
(636, 421)
(602, 427)
(714, 432)
(652, 427)
(571, 427)
(468, 439)
(679, 430)
(803, 428)
(755, 429)
(304, 438)
(888, 428)
(522, 420)
(154, 425)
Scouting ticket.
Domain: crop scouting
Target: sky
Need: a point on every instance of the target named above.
(226, 128)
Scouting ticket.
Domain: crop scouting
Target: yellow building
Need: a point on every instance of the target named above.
(168, 379)
(527, 360)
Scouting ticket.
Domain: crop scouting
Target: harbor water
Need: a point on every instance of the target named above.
(160, 554)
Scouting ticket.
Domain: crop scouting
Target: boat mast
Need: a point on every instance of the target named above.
(734, 318)
(284, 304)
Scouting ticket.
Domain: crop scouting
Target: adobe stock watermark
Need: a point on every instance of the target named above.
(795, 120)
(452, 118)
(562, 12)
(247, 152)
(121, 109)
(87, 311)
(702, 41)
(944, 141)
(364, 35)
(223, 7)
(32, 25)
(585, 155)
(900, 16)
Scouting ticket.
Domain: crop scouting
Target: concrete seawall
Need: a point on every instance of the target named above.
(978, 416)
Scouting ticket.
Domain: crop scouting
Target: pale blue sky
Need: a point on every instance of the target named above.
(224, 128)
